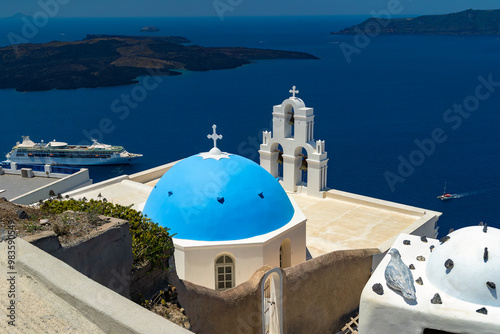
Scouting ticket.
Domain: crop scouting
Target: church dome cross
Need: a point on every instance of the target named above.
(294, 91)
(214, 135)
(214, 153)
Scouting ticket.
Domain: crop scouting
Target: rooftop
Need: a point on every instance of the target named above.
(15, 185)
(339, 221)
(44, 178)
(343, 221)
(450, 313)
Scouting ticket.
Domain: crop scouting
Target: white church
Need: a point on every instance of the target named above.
(232, 216)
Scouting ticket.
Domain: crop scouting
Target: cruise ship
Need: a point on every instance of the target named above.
(60, 153)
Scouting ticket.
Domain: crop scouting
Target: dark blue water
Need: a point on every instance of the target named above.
(396, 90)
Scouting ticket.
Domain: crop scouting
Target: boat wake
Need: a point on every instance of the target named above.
(461, 195)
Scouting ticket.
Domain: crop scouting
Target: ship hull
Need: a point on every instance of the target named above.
(72, 161)
(60, 153)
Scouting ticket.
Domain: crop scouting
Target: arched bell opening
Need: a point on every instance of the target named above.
(277, 161)
(301, 166)
(289, 121)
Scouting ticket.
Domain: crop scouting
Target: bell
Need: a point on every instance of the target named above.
(280, 158)
(303, 167)
(292, 120)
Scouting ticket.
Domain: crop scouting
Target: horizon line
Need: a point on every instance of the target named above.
(236, 16)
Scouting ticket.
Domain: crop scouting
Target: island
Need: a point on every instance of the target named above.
(150, 29)
(102, 60)
(468, 22)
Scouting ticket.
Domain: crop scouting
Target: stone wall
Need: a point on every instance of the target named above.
(237, 310)
(106, 258)
(319, 294)
(317, 297)
(145, 283)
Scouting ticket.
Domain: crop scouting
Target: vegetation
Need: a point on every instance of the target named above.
(468, 22)
(150, 242)
(31, 227)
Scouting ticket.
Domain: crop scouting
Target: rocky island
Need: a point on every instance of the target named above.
(468, 22)
(150, 29)
(102, 60)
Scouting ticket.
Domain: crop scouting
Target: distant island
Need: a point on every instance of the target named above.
(111, 60)
(16, 16)
(468, 22)
(150, 29)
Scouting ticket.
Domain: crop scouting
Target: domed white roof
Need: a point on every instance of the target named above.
(476, 261)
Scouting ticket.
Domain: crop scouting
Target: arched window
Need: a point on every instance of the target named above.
(224, 272)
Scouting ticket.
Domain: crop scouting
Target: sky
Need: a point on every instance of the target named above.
(152, 8)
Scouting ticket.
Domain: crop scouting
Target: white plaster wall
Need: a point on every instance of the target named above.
(74, 181)
(195, 260)
(180, 262)
(199, 263)
(297, 236)
(390, 313)
(429, 228)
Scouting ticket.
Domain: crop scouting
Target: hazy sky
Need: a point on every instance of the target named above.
(150, 8)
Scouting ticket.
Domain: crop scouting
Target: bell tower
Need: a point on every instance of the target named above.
(304, 159)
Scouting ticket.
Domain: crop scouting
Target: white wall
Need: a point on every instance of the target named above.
(297, 236)
(74, 181)
(199, 262)
(390, 313)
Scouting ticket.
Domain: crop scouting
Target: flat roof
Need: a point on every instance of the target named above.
(342, 221)
(16, 185)
(123, 191)
(339, 221)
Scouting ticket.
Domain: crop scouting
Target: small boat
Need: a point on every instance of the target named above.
(2, 190)
(445, 195)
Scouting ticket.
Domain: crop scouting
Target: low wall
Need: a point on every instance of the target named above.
(151, 174)
(375, 203)
(319, 294)
(111, 312)
(317, 297)
(70, 182)
(106, 258)
(237, 310)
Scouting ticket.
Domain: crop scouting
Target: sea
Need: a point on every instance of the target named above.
(401, 115)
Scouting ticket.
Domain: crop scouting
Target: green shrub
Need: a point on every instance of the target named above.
(150, 242)
(61, 229)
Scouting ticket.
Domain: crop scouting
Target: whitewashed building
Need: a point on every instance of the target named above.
(456, 289)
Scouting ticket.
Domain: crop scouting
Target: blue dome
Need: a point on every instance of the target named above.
(218, 200)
